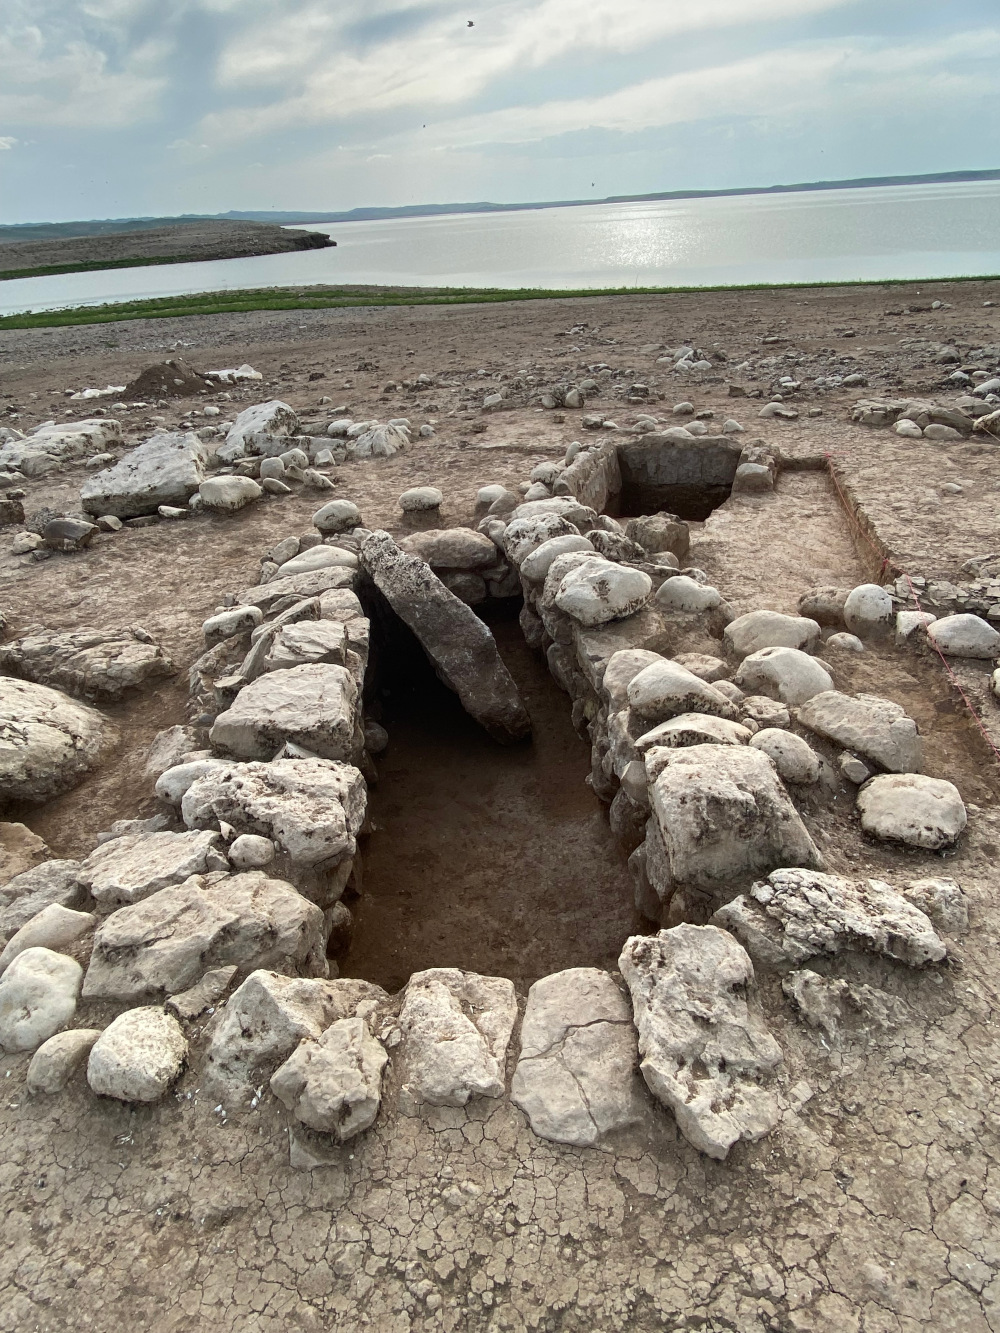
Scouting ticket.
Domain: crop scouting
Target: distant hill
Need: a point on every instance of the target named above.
(42, 231)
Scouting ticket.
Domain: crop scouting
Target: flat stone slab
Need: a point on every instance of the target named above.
(874, 727)
(128, 869)
(90, 663)
(166, 470)
(48, 742)
(460, 647)
(912, 809)
(314, 706)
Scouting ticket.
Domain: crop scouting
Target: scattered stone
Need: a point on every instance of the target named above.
(876, 728)
(456, 1028)
(337, 516)
(68, 534)
(313, 706)
(54, 927)
(57, 1060)
(225, 495)
(90, 663)
(786, 674)
(47, 741)
(167, 469)
(909, 623)
(167, 942)
(794, 759)
(869, 612)
(419, 499)
(763, 712)
(334, 1085)
(458, 644)
(261, 429)
(912, 809)
(38, 995)
(704, 1044)
(846, 643)
(192, 1003)
(575, 1075)
(710, 669)
(795, 914)
(956, 636)
(854, 769)
(138, 1056)
(769, 629)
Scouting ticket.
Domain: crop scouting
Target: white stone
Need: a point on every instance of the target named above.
(909, 623)
(868, 611)
(848, 643)
(225, 495)
(420, 498)
(38, 995)
(54, 927)
(665, 689)
(795, 760)
(451, 548)
(575, 1075)
(167, 469)
(257, 429)
(250, 851)
(537, 564)
(319, 557)
(908, 430)
(27, 893)
(599, 591)
(312, 706)
(690, 729)
(337, 516)
(334, 1085)
(876, 728)
(622, 668)
(174, 782)
(138, 1056)
(785, 674)
(228, 624)
(964, 636)
(379, 441)
(769, 629)
(128, 869)
(704, 1044)
(524, 535)
(47, 740)
(57, 1060)
(912, 809)
(487, 495)
(456, 1028)
(682, 593)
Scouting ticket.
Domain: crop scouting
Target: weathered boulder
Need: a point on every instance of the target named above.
(964, 636)
(796, 914)
(38, 995)
(420, 499)
(225, 495)
(456, 1028)
(128, 869)
(337, 516)
(54, 927)
(523, 536)
(692, 729)
(334, 1084)
(165, 943)
(598, 591)
(660, 532)
(460, 647)
(665, 689)
(535, 566)
(259, 429)
(166, 470)
(869, 612)
(57, 1060)
(683, 593)
(795, 760)
(912, 809)
(29, 893)
(90, 663)
(47, 741)
(451, 548)
(786, 674)
(312, 808)
(575, 1075)
(720, 811)
(622, 668)
(314, 706)
(705, 1047)
(876, 728)
(137, 1056)
(769, 629)
(266, 1018)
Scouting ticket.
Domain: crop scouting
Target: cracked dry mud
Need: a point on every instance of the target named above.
(874, 1207)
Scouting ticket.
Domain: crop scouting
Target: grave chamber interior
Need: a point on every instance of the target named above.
(689, 479)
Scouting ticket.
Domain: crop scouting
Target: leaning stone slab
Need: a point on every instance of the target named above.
(27, 894)
(48, 742)
(166, 943)
(266, 1018)
(460, 647)
(130, 868)
(166, 470)
(312, 808)
(90, 663)
(874, 727)
(721, 811)
(456, 1028)
(796, 914)
(138, 1056)
(575, 1075)
(912, 809)
(334, 1084)
(313, 706)
(38, 995)
(706, 1050)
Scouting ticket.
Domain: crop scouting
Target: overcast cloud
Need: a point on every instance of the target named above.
(112, 108)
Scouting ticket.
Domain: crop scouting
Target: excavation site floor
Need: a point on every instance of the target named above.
(874, 1205)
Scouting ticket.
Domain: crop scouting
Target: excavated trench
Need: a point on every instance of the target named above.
(490, 858)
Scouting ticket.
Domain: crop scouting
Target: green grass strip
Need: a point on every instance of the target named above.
(334, 298)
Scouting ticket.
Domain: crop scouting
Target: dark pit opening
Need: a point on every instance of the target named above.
(689, 479)
(490, 858)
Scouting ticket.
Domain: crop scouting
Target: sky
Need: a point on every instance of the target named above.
(121, 108)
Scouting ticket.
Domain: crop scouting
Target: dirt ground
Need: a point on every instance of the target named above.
(873, 1208)
(181, 241)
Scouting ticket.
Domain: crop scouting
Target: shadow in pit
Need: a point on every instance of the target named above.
(689, 478)
(489, 858)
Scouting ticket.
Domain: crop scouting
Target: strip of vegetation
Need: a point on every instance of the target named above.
(333, 298)
(93, 265)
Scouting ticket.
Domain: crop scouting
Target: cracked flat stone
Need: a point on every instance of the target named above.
(706, 1050)
(312, 706)
(334, 1084)
(89, 663)
(128, 869)
(868, 724)
(575, 1075)
(796, 914)
(456, 1028)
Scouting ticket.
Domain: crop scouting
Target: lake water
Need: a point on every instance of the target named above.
(914, 231)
